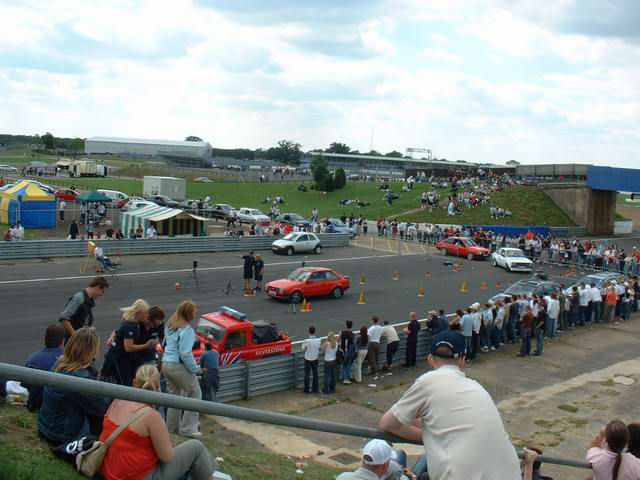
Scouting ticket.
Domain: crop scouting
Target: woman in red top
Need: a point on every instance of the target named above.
(143, 450)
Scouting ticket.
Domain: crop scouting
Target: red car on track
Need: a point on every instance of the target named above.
(66, 194)
(308, 282)
(462, 247)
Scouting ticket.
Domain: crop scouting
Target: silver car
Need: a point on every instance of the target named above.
(296, 242)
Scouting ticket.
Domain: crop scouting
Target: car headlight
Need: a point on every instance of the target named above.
(282, 291)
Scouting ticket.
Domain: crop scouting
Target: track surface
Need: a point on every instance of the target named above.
(33, 293)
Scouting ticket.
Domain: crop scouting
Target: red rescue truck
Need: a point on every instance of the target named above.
(238, 340)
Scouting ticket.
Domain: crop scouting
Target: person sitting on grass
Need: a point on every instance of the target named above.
(64, 415)
(143, 449)
(44, 359)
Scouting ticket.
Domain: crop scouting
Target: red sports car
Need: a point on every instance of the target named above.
(462, 247)
(309, 282)
(66, 194)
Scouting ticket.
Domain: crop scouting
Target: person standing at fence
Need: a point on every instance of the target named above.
(412, 331)
(362, 348)
(61, 209)
(348, 346)
(374, 333)
(180, 368)
(330, 350)
(78, 311)
(311, 348)
(393, 342)
(210, 382)
(91, 228)
(73, 230)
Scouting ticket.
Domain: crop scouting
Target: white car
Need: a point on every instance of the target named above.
(136, 204)
(296, 242)
(512, 260)
(251, 215)
(203, 179)
(8, 168)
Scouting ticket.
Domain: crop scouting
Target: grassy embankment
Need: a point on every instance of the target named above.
(528, 204)
(24, 456)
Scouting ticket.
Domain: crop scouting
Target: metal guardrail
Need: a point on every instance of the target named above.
(94, 387)
(78, 248)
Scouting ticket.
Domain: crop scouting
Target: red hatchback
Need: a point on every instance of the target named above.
(308, 282)
(462, 247)
(66, 194)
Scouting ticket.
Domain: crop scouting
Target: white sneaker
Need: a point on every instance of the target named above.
(492, 348)
(196, 435)
(346, 382)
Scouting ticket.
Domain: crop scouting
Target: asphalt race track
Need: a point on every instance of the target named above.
(33, 292)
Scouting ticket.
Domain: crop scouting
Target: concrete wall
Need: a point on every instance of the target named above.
(593, 209)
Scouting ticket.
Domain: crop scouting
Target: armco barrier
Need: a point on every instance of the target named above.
(93, 387)
(78, 248)
(251, 379)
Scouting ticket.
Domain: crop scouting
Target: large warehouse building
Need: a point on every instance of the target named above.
(138, 147)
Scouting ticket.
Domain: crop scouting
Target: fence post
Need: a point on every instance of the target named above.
(294, 383)
(247, 380)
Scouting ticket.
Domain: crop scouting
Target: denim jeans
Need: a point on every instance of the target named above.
(550, 327)
(539, 340)
(526, 342)
(330, 373)
(311, 368)
(511, 329)
(485, 333)
(346, 369)
(496, 336)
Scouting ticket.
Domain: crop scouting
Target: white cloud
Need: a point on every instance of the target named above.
(440, 54)
(166, 69)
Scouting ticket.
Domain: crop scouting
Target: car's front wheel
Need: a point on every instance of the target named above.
(443, 251)
(318, 249)
(296, 297)
(290, 251)
(337, 292)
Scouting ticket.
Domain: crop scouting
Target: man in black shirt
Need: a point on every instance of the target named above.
(249, 263)
(78, 311)
(412, 340)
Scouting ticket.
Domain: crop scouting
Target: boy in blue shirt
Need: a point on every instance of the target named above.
(210, 364)
(44, 359)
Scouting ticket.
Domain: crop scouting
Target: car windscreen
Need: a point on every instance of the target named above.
(211, 330)
(518, 288)
(290, 236)
(470, 243)
(514, 253)
(299, 275)
(295, 216)
(337, 222)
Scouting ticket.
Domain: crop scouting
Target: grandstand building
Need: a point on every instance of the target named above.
(395, 166)
(184, 153)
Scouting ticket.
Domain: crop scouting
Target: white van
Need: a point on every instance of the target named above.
(119, 198)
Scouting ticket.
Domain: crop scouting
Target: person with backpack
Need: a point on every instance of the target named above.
(122, 358)
(348, 347)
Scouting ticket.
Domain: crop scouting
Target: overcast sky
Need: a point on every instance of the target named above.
(481, 80)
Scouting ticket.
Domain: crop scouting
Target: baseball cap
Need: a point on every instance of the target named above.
(453, 341)
(377, 452)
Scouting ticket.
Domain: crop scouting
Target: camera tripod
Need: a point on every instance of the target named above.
(194, 276)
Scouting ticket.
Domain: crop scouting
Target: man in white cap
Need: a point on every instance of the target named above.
(378, 462)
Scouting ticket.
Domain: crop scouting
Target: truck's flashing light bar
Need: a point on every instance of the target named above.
(230, 312)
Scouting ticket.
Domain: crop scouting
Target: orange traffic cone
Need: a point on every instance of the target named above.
(498, 285)
(361, 297)
(464, 288)
(484, 286)
(178, 286)
(362, 281)
(421, 292)
(428, 274)
(510, 282)
(396, 275)
(306, 307)
(303, 308)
